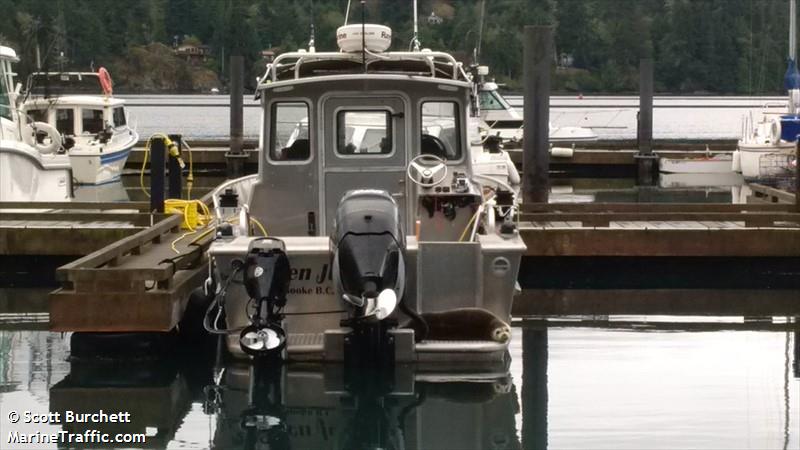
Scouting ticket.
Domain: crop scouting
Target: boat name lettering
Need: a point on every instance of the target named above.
(319, 276)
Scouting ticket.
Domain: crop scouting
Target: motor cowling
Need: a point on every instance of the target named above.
(368, 246)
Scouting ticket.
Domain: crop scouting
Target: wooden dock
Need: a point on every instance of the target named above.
(69, 229)
(211, 153)
(661, 229)
(144, 279)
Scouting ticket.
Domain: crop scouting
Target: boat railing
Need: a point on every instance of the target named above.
(241, 186)
(297, 59)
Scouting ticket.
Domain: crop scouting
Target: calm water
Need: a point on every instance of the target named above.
(207, 116)
(628, 385)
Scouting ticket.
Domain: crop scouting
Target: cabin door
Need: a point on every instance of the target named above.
(365, 148)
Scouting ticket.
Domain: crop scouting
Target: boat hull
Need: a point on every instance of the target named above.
(765, 160)
(484, 277)
(717, 164)
(99, 168)
(26, 176)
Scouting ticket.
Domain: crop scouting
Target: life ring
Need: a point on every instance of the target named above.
(32, 137)
(105, 81)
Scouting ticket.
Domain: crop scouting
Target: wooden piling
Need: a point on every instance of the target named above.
(646, 160)
(157, 169)
(534, 387)
(537, 61)
(236, 157)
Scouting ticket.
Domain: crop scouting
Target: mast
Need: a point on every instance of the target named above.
(791, 80)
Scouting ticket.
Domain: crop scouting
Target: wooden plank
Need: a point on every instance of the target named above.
(67, 206)
(156, 310)
(694, 302)
(775, 194)
(83, 217)
(764, 242)
(756, 218)
(128, 245)
(654, 207)
(46, 241)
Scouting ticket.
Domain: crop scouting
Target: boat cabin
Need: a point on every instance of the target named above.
(78, 115)
(329, 127)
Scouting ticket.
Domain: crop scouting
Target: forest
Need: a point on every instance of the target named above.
(734, 47)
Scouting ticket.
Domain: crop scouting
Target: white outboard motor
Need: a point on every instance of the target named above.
(368, 246)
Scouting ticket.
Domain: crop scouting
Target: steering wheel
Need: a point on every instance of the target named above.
(423, 170)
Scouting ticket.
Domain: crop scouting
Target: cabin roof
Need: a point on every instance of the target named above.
(65, 83)
(76, 101)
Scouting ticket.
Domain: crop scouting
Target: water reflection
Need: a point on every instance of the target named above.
(310, 408)
(632, 383)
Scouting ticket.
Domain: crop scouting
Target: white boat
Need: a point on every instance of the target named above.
(26, 174)
(690, 180)
(503, 120)
(767, 146)
(93, 124)
(719, 163)
(383, 246)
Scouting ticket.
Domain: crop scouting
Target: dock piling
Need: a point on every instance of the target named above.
(236, 158)
(157, 168)
(537, 61)
(174, 188)
(646, 159)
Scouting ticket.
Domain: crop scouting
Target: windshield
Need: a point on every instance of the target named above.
(5, 100)
(440, 130)
(490, 101)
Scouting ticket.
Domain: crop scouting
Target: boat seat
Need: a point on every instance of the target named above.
(431, 145)
(299, 151)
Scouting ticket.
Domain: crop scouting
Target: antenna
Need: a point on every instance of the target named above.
(793, 30)
(347, 12)
(480, 30)
(363, 34)
(311, 48)
(414, 39)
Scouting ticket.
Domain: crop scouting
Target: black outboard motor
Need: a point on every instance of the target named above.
(369, 270)
(266, 277)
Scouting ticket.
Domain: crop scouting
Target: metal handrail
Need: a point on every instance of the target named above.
(302, 57)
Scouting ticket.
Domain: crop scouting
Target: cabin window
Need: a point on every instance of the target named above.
(290, 138)
(364, 133)
(92, 120)
(440, 130)
(489, 101)
(119, 117)
(37, 115)
(5, 101)
(65, 121)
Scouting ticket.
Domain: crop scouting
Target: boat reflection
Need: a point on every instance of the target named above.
(257, 406)
(108, 192)
(330, 408)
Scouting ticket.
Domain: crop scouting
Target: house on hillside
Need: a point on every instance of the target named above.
(193, 54)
